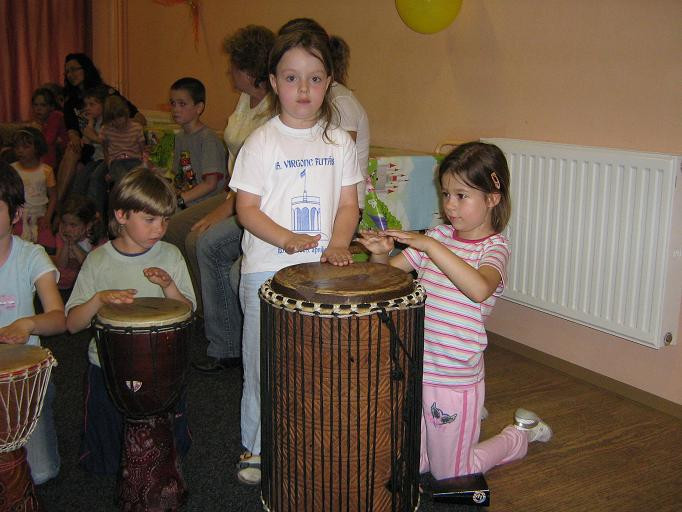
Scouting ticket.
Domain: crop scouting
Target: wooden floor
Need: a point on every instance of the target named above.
(608, 453)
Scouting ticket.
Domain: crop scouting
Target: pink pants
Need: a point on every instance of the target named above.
(451, 425)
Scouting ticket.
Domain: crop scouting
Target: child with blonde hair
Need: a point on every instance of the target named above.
(136, 263)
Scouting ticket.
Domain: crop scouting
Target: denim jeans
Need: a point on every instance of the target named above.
(180, 235)
(89, 181)
(217, 250)
(42, 452)
(250, 409)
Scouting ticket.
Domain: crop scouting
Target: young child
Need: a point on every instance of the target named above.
(296, 156)
(40, 188)
(122, 138)
(135, 263)
(89, 180)
(199, 161)
(199, 164)
(50, 120)
(25, 269)
(77, 236)
(462, 266)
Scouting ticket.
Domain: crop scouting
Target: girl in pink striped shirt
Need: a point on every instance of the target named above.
(462, 265)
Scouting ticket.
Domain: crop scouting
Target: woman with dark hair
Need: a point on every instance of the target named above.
(80, 74)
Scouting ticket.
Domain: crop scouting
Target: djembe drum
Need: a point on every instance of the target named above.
(143, 350)
(24, 376)
(341, 363)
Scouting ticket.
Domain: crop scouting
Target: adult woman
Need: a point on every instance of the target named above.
(213, 219)
(80, 74)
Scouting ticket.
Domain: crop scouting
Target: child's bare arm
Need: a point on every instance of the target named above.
(159, 276)
(208, 184)
(345, 223)
(259, 224)
(80, 316)
(476, 284)
(50, 322)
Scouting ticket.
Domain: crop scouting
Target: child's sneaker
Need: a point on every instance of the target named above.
(249, 469)
(484, 413)
(537, 429)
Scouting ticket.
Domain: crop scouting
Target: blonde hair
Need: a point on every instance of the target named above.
(141, 190)
(114, 107)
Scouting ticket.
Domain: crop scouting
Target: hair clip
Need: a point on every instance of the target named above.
(496, 180)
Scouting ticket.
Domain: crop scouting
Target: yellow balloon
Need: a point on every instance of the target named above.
(428, 16)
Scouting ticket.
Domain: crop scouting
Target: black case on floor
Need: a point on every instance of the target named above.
(462, 490)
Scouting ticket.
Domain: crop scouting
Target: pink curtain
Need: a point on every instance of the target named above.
(35, 36)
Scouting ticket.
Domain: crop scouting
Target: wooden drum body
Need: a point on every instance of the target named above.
(143, 350)
(24, 376)
(341, 373)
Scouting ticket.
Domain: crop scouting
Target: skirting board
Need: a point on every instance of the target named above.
(620, 388)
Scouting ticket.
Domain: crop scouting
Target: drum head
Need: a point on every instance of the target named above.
(144, 312)
(15, 358)
(353, 284)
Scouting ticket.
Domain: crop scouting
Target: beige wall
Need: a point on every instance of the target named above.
(602, 73)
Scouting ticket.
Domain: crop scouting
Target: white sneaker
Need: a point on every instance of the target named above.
(484, 413)
(530, 422)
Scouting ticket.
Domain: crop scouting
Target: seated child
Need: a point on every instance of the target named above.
(89, 180)
(25, 269)
(50, 120)
(40, 188)
(78, 234)
(134, 263)
(122, 138)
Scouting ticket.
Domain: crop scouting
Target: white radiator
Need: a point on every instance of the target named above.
(597, 237)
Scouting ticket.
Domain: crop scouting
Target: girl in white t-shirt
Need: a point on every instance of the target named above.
(295, 179)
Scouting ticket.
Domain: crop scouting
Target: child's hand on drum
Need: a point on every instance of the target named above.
(158, 276)
(117, 296)
(339, 256)
(376, 242)
(17, 332)
(298, 242)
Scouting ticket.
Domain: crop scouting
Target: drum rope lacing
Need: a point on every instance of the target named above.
(26, 394)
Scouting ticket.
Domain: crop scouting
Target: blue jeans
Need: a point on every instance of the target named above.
(217, 250)
(42, 452)
(250, 409)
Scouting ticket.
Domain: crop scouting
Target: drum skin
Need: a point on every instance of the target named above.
(24, 376)
(341, 388)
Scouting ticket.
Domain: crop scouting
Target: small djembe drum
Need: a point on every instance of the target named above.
(143, 350)
(341, 374)
(24, 376)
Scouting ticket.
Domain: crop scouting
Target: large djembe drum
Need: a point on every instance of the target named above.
(143, 350)
(24, 376)
(341, 363)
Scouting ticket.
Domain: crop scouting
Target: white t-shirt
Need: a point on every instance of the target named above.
(353, 118)
(241, 123)
(298, 176)
(107, 269)
(26, 263)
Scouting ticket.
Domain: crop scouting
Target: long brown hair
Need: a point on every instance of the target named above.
(316, 46)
